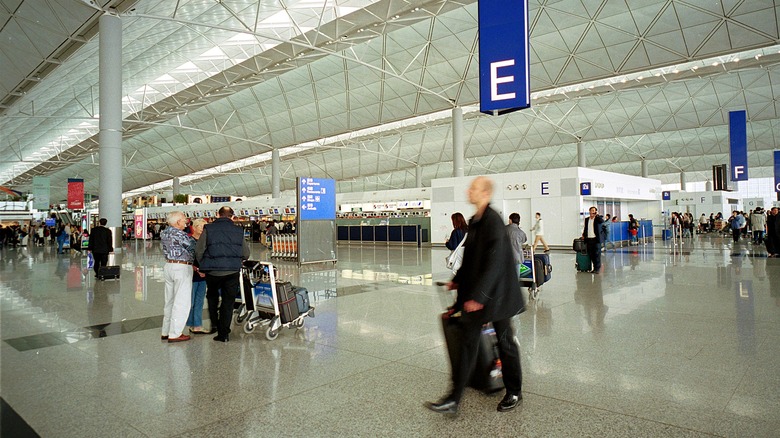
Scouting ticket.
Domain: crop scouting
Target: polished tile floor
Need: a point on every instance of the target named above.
(667, 341)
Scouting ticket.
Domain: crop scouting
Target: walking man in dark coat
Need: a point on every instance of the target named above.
(100, 244)
(488, 291)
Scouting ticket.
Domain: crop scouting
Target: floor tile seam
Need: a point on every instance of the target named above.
(621, 413)
(319, 342)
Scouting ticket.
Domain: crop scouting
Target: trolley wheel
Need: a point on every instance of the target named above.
(271, 334)
(533, 293)
(240, 314)
(300, 323)
(249, 327)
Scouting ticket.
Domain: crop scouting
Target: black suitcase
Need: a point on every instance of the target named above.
(288, 303)
(302, 299)
(108, 273)
(487, 376)
(543, 268)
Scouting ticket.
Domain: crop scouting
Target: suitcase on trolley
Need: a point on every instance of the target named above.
(288, 304)
(487, 376)
(302, 299)
(583, 262)
(543, 268)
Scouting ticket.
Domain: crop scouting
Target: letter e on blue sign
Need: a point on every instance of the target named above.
(504, 78)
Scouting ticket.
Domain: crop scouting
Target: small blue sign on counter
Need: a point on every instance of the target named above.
(585, 188)
(666, 196)
(316, 199)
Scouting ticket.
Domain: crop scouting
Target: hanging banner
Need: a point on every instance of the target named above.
(41, 193)
(504, 77)
(75, 193)
(738, 145)
(777, 171)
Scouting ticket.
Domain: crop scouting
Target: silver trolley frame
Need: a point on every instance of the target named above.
(530, 282)
(253, 315)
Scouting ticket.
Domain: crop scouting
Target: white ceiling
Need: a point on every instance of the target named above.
(211, 86)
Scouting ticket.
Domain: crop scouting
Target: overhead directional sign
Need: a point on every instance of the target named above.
(316, 199)
(585, 189)
(738, 145)
(504, 77)
(777, 171)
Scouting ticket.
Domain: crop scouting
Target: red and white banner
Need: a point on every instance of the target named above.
(75, 193)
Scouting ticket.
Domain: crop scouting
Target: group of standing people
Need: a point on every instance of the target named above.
(213, 255)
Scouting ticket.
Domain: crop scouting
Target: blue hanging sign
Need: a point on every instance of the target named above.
(504, 77)
(738, 145)
(777, 171)
(666, 196)
(316, 199)
(585, 189)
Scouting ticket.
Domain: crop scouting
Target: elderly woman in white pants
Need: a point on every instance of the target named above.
(179, 250)
(538, 230)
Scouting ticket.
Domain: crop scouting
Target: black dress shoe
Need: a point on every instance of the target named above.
(445, 406)
(509, 402)
(221, 338)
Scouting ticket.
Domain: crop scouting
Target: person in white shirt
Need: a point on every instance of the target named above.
(538, 230)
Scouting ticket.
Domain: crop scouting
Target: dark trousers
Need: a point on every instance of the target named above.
(100, 260)
(594, 251)
(221, 313)
(507, 351)
(735, 234)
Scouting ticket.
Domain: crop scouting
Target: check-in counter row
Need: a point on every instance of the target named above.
(383, 234)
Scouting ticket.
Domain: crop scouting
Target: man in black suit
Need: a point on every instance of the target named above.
(100, 244)
(488, 291)
(592, 235)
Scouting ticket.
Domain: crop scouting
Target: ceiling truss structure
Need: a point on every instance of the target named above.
(211, 87)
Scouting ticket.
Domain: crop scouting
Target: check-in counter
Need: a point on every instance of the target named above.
(382, 234)
(619, 235)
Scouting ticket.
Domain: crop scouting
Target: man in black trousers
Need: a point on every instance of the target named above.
(488, 291)
(592, 235)
(220, 252)
(100, 244)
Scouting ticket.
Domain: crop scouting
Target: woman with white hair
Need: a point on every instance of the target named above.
(179, 250)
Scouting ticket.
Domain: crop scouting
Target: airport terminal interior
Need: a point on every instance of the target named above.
(359, 124)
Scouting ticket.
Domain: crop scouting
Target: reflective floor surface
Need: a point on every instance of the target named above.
(667, 341)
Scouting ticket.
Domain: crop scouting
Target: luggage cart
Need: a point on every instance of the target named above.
(528, 274)
(260, 305)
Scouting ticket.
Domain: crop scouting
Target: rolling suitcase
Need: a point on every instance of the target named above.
(288, 304)
(583, 262)
(108, 273)
(487, 376)
(543, 268)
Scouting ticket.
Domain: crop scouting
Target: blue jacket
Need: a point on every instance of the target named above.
(224, 246)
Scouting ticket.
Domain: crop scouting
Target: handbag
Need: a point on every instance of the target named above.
(455, 259)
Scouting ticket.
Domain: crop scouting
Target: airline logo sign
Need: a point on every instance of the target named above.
(504, 78)
(738, 145)
(666, 196)
(585, 189)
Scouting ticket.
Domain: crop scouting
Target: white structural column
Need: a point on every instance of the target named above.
(682, 181)
(418, 176)
(708, 186)
(176, 186)
(457, 141)
(644, 168)
(581, 161)
(110, 136)
(276, 174)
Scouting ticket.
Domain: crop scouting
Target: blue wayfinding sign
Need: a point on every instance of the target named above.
(777, 171)
(585, 189)
(738, 145)
(504, 78)
(666, 196)
(317, 199)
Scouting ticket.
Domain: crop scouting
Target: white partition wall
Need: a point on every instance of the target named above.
(555, 193)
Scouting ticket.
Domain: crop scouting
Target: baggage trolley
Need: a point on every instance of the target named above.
(260, 306)
(527, 272)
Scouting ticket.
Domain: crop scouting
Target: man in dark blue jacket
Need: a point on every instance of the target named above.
(488, 291)
(220, 252)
